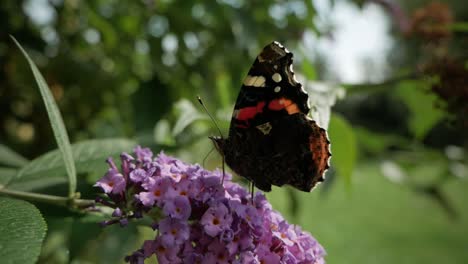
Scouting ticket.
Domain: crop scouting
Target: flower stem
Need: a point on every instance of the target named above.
(46, 198)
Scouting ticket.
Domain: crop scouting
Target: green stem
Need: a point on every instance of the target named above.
(45, 198)
(460, 27)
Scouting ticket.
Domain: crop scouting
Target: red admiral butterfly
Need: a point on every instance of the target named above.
(271, 139)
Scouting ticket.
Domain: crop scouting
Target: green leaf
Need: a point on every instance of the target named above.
(6, 174)
(162, 133)
(460, 26)
(423, 114)
(56, 122)
(186, 115)
(377, 143)
(11, 158)
(343, 146)
(223, 86)
(309, 70)
(22, 231)
(48, 169)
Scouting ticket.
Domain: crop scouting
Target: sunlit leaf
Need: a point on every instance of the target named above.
(322, 96)
(343, 146)
(22, 231)
(48, 169)
(56, 122)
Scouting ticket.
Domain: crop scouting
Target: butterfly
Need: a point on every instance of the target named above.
(272, 140)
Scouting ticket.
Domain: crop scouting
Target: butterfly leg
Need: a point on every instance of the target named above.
(252, 190)
(224, 172)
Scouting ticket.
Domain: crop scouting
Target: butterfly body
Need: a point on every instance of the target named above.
(271, 140)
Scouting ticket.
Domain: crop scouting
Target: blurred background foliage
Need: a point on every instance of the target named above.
(396, 192)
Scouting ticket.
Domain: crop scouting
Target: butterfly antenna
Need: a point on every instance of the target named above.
(211, 117)
(219, 130)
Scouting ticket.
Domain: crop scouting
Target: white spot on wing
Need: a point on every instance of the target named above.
(259, 82)
(276, 77)
(294, 78)
(265, 128)
(249, 80)
(277, 89)
(256, 81)
(291, 68)
(278, 44)
(302, 89)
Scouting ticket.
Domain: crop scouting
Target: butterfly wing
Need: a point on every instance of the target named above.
(269, 90)
(301, 150)
(271, 139)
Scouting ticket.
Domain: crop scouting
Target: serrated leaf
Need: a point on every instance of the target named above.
(11, 158)
(343, 146)
(56, 121)
(22, 231)
(48, 169)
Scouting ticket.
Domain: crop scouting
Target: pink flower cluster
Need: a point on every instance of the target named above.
(198, 219)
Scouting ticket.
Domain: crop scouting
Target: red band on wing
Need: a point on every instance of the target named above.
(249, 112)
(277, 104)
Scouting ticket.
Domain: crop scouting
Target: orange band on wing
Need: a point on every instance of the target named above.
(283, 103)
(292, 109)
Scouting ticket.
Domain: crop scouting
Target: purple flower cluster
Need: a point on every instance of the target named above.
(198, 219)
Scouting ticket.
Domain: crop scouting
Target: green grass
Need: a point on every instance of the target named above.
(381, 222)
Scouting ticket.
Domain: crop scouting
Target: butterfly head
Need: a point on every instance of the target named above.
(219, 143)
